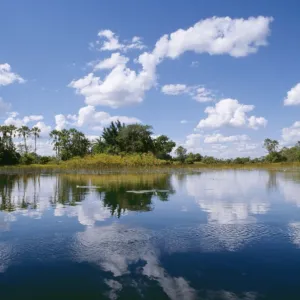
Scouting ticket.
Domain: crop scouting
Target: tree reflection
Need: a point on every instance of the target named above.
(37, 192)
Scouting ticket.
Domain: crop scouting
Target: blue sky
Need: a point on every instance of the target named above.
(83, 64)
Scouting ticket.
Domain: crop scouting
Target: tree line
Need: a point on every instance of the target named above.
(117, 139)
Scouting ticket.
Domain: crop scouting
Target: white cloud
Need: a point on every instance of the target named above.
(124, 86)
(45, 129)
(193, 143)
(201, 94)
(61, 122)
(111, 62)
(18, 122)
(174, 89)
(111, 42)
(219, 138)
(88, 116)
(195, 64)
(293, 96)
(121, 87)
(216, 36)
(256, 122)
(291, 135)
(183, 121)
(229, 112)
(246, 147)
(7, 76)
(197, 92)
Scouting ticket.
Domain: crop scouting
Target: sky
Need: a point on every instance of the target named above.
(217, 77)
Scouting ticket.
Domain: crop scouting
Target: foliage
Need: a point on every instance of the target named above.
(135, 138)
(271, 145)
(163, 146)
(181, 154)
(28, 159)
(99, 161)
(69, 143)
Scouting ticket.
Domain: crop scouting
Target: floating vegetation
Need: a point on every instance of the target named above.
(148, 191)
(87, 187)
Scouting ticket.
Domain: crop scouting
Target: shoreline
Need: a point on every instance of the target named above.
(168, 168)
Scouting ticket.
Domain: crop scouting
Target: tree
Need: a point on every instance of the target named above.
(24, 132)
(69, 143)
(98, 145)
(181, 153)
(54, 135)
(271, 145)
(110, 135)
(36, 133)
(135, 138)
(163, 146)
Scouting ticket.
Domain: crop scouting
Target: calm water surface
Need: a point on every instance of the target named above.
(211, 235)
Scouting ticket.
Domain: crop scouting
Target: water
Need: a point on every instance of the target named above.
(211, 235)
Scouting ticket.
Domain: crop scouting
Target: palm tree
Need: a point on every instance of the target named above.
(36, 133)
(24, 132)
(55, 135)
(12, 130)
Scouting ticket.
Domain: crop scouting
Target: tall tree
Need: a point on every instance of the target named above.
(135, 138)
(163, 147)
(55, 136)
(181, 153)
(271, 145)
(36, 134)
(110, 135)
(24, 132)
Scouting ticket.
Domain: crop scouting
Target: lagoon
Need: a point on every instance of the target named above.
(217, 234)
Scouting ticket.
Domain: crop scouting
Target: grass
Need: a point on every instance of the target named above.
(135, 163)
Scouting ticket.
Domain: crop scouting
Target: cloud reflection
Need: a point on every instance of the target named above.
(116, 249)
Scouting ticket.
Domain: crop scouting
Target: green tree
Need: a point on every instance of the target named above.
(163, 146)
(181, 153)
(110, 135)
(24, 132)
(69, 143)
(98, 145)
(135, 138)
(271, 145)
(36, 134)
(55, 136)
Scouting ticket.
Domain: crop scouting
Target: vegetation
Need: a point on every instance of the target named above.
(119, 145)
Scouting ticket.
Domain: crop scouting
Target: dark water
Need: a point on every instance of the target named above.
(214, 235)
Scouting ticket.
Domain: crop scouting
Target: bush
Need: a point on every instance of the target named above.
(189, 160)
(28, 159)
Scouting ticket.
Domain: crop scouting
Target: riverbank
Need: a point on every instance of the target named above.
(105, 164)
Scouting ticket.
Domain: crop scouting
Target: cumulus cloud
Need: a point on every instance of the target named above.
(110, 42)
(219, 138)
(236, 37)
(193, 142)
(88, 116)
(197, 92)
(45, 129)
(114, 60)
(7, 76)
(174, 89)
(121, 87)
(229, 112)
(18, 122)
(293, 96)
(291, 135)
(124, 86)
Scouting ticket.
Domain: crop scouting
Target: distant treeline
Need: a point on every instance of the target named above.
(117, 140)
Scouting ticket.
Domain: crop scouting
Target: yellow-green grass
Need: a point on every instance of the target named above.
(104, 163)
